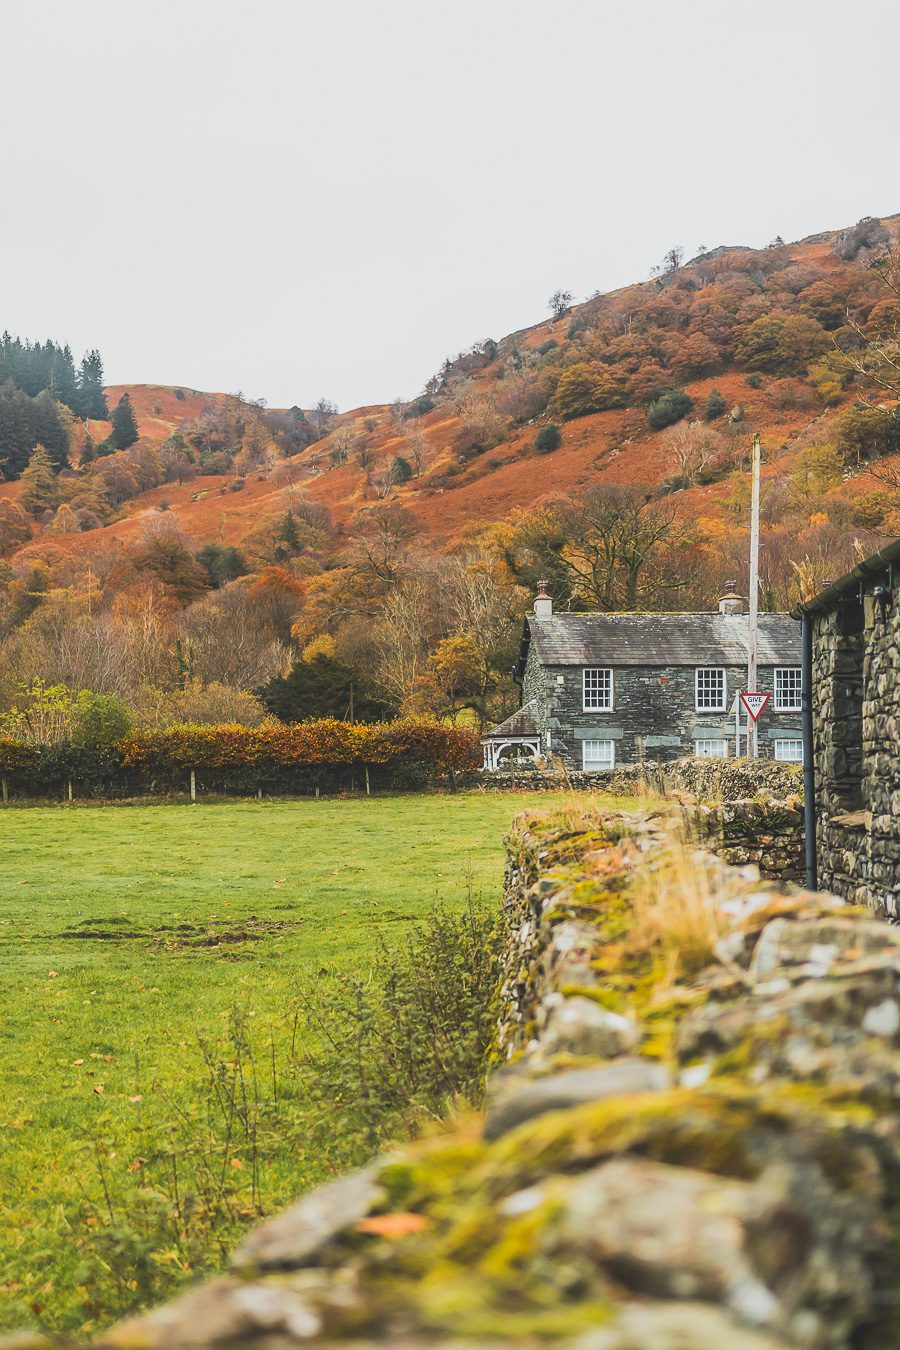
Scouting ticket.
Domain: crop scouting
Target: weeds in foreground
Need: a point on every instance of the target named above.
(174, 1186)
(399, 1048)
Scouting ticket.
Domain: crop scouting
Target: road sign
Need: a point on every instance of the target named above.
(754, 703)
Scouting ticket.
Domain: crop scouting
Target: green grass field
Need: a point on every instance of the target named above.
(129, 937)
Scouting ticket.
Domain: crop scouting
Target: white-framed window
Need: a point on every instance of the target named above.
(787, 688)
(711, 689)
(598, 689)
(711, 747)
(789, 749)
(598, 756)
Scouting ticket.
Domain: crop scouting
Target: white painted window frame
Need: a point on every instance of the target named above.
(788, 740)
(597, 707)
(780, 705)
(720, 741)
(722, 705)
(596, 767)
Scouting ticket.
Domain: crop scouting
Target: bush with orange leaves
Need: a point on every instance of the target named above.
(326, 743)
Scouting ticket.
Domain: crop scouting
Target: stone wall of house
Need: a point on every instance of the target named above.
(856, 718)
(653, 718)
(689, 1141)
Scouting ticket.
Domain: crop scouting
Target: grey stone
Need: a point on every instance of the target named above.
(511, 1102)
(296, 1236)
(671, 1232)
(814, 947)
(677, 1326)
(579, 1026)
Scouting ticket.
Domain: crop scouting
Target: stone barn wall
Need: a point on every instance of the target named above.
(856, 718)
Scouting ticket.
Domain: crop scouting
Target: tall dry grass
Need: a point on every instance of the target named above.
(675, 916)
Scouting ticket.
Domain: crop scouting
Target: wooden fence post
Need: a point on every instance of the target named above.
(193, 786)
(5, 786)
(368, 793)
(70, 789)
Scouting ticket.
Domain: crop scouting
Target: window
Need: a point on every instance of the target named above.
(598, 756)
(710, 689)
(711, 747)
(787, 688)
(598, 690)
(790, 751)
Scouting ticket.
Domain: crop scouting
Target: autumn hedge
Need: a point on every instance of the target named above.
(325, 753)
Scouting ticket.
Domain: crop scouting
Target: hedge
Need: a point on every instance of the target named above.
(325, 754)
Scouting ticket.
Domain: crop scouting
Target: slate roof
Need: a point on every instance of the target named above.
(521, 723)
(659, 640)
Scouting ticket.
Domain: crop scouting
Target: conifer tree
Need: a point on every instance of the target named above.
(63, 385)
(124, 426)
(289, 535)
(90, 387)
(40, 487)
(49, 429)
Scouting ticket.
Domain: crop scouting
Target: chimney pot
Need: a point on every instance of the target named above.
(731, 602)
(543, 603)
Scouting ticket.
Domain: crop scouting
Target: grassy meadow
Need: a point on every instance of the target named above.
(158, 965)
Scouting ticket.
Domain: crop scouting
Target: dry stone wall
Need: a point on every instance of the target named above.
(691, 1138)
(746, 810)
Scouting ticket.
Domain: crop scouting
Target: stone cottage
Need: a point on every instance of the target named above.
(601, 691)
(851, 654)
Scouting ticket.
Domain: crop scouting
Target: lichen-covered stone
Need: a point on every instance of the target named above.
(296, 1236)
(579, 1026)
(512, 1101)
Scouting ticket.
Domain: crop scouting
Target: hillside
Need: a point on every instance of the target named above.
(648, 396)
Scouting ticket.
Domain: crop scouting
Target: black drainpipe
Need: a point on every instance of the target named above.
(809, 771)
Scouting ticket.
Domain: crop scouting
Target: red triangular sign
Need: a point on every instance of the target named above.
(754, 703)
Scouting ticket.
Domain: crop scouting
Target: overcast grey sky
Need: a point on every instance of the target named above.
(299, 199)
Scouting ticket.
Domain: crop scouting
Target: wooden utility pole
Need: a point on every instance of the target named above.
(753, 618)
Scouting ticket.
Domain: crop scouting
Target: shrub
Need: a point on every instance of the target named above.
(670, 407)
(418, 408)
(401, 470)
(754, 380)
(550, 345)
(402, 1044)
(869, 433)
(100, 721)
(867, 233)
(829, 376)
(781, 343)
(715, 406)
(548, 438)
(586, 388)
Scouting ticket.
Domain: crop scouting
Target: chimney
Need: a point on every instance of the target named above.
(731, 602)
(543, 605)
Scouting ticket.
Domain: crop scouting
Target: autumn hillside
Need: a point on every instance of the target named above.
(629, 414)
